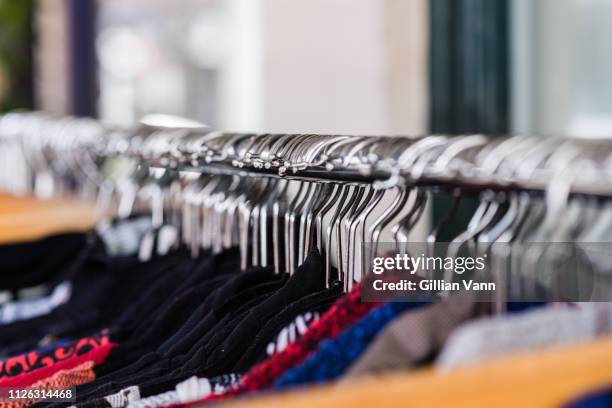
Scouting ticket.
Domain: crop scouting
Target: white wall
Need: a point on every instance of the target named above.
(561, 63)
(326, 66)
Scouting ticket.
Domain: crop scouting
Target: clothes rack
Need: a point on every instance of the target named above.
(551, 159)
(225, 264)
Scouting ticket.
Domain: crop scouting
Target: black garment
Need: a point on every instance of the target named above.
(158, 382)
(89, 278)
(175, 317)
(102, 288)
(206, 335)
(219, 304)
(255, 352)
(33, 263)
(146, 305)
(230, 342)
(308, 279)
(216, 319)
(230, 298)
(161, 325)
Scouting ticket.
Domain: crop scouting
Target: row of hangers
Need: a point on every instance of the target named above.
(276, 196)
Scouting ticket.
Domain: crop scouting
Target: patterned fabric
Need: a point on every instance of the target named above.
(342, 314)
(29, 362)
(27, 309)
(96, 355)
(160, 400)
(192, 389)
(292, 332)
(61, 380)
(123, 397)
(334, 356)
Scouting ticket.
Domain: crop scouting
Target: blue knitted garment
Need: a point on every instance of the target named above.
(334, 356)
(600, 399)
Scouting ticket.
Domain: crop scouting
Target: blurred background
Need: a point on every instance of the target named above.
(333, 66)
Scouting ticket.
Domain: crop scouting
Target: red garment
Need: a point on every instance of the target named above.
(97, 355)
(346, 311)
(29, 362)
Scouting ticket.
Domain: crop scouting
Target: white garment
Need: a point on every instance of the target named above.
(548, 326)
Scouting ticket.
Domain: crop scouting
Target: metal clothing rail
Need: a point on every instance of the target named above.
(470, 162)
